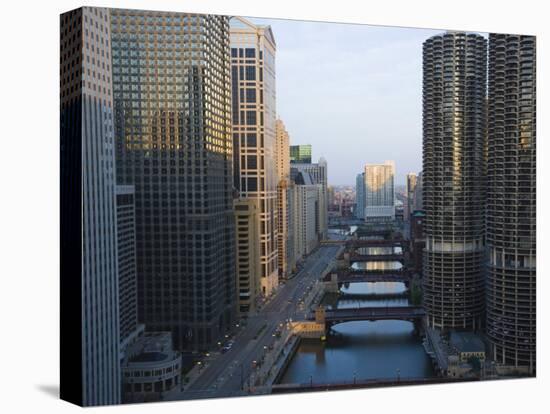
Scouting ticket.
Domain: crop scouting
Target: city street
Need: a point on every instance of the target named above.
(228, 373)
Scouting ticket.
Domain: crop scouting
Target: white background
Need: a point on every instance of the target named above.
(29, 216)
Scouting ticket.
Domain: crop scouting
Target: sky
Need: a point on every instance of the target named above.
(354, 92)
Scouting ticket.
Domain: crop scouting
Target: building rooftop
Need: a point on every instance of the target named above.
(466, 342)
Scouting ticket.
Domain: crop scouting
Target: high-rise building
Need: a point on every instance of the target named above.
(411, 185)
(89, 274)
(317, 173)
(454, 125)
(247, 223)
(253, 87)
(283, 201)
(417, 194)
(380, 191)
(127, 276)
(511, 201)
(172, 105)
(360, 196)
(300, 154)
(306, 209)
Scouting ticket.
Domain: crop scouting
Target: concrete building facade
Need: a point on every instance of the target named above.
(317, 174)
(89, 266)
(247, 223)
(511, 202)
(283, 201)
(253, 51)
(454, 125)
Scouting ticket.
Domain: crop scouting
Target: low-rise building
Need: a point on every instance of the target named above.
(150, 368)
(467, 345)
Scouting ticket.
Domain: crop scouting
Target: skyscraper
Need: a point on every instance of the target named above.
(253, 88)
(89, 271)
(511, 201)
(379, 191)
(360, 196)
(127, 277)
(247, 223)
(317, 172)
(411, 185)
(454, 125)
(172, 100)
(300, 154)
(283, 201)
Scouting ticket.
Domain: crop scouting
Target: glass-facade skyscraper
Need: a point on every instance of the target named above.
(300, 154)
(172, 106)
(511, 201)
(454, 126)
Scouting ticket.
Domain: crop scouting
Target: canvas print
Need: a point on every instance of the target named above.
(255, 206)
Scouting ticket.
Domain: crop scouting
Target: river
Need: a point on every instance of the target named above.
(362, 350)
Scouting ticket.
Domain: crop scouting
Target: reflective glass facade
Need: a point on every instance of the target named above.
(172, 106)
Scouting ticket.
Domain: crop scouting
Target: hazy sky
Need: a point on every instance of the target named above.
(352, 91)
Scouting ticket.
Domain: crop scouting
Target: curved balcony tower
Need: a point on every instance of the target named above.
(454, 130)
(511, 201)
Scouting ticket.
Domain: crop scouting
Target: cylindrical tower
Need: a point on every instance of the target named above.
(511, 201)
(454, 128)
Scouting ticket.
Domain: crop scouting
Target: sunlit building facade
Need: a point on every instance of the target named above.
(411, 185)
(379, 191)
(254, 133)
(318, 173)
(511, 201)
(454, 127)
(172, 108)
(285, 261)
(300, 153)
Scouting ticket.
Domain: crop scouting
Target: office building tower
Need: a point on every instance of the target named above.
(283, 202)
(360, 196)
(511, 202)
(254, 133)
(89, 275)
(417, 194)
(300, 154)
(172, 103)
(454, 126)
(247, 223)
(130, 329)
(318, 175)
(380, 191)
(306, 209)
(411, 185)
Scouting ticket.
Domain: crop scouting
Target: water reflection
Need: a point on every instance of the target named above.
(363, 349)
(393, 265)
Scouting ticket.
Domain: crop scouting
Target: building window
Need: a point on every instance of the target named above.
(250, 117)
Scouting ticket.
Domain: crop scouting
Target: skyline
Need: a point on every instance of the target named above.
(231, 243)
(391, 58)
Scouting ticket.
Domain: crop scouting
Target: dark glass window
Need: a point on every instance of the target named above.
(234, 52)
(250, 73)
(252, 184)
(250, 53)
(251, 95)
(250, 117)
(251, 140)
(251, 162)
